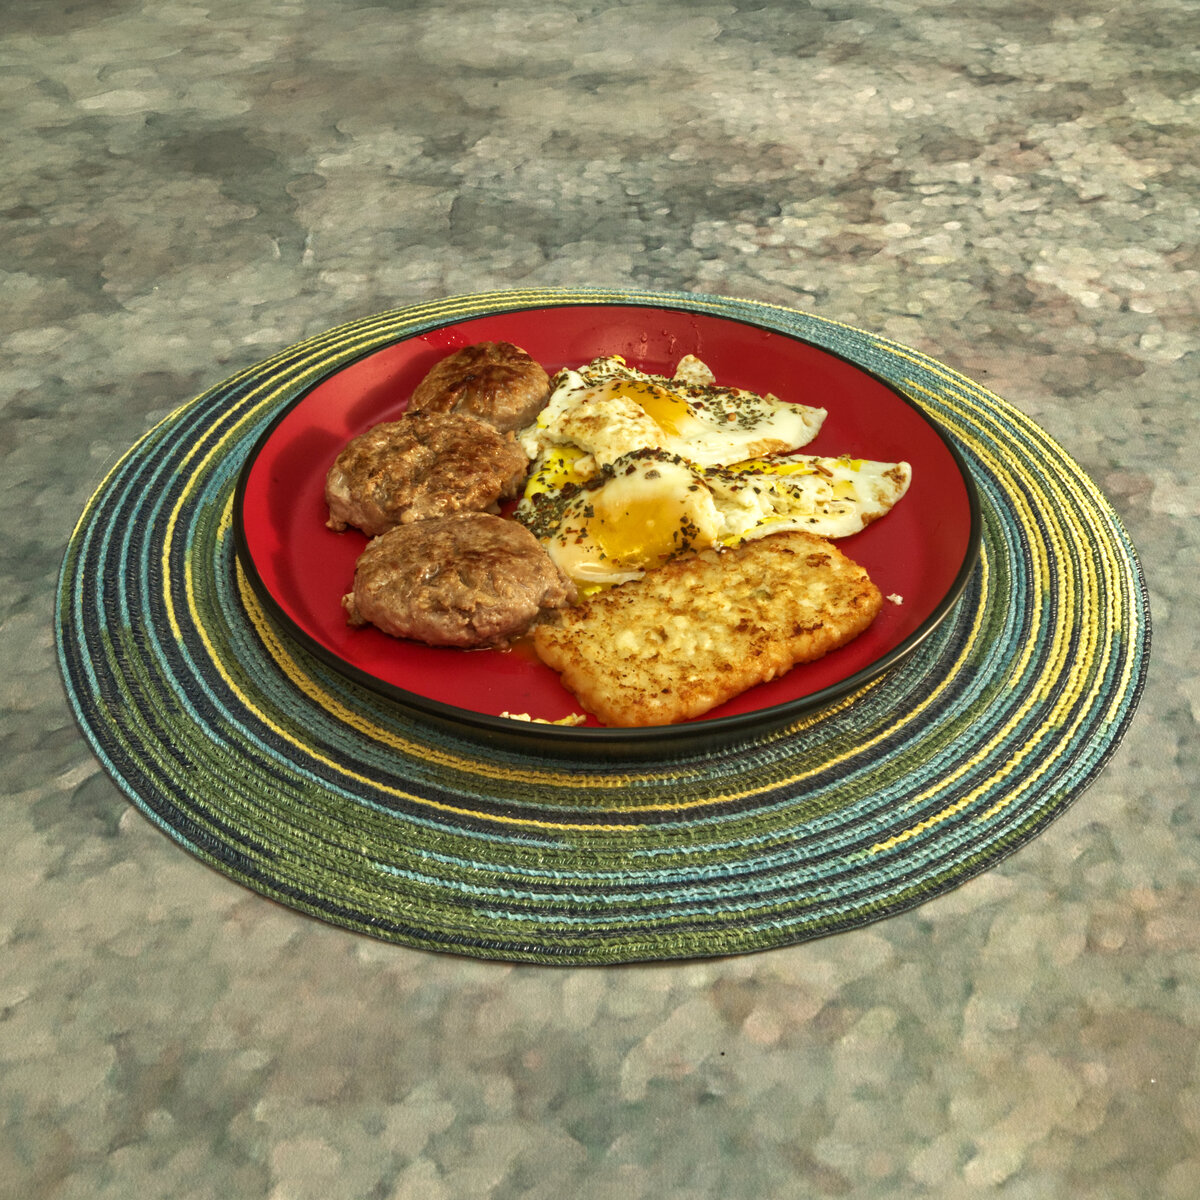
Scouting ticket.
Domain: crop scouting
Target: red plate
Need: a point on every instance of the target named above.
(922, 550)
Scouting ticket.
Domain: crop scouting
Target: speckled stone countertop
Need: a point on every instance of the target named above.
(1010, 186)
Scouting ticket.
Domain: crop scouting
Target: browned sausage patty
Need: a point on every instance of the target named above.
(423, 465)
(494, 381)
(467, 580)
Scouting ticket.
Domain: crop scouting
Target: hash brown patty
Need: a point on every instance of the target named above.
(703, 628)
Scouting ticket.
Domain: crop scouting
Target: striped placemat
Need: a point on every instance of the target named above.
(287, 777)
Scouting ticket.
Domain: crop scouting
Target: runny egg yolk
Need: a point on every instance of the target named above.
(559, 467)
(634, 522)
(644, 531)
(671, 413)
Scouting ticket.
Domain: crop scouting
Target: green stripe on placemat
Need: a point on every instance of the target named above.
(302, 785)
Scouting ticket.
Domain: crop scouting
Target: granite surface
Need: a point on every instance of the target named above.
(1008, 185)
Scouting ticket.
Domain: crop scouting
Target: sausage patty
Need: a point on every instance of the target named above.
(471, 579)
(423, 465)
(494, 381)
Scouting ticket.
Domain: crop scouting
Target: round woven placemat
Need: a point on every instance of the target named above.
(299, 784)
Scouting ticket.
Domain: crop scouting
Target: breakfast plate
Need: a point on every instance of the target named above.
(920, 555)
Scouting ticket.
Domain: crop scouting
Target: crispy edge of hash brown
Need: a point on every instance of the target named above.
(704, 628)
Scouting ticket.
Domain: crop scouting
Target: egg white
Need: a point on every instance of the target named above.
(831, 497)
(607, 409)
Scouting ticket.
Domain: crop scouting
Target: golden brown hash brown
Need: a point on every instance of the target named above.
(703, 628)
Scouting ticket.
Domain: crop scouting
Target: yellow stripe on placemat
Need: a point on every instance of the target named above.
(1083, 587)
(1000, 470)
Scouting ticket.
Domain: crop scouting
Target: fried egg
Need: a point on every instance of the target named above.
(647, 508)
(650, 505)
(607, 409)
